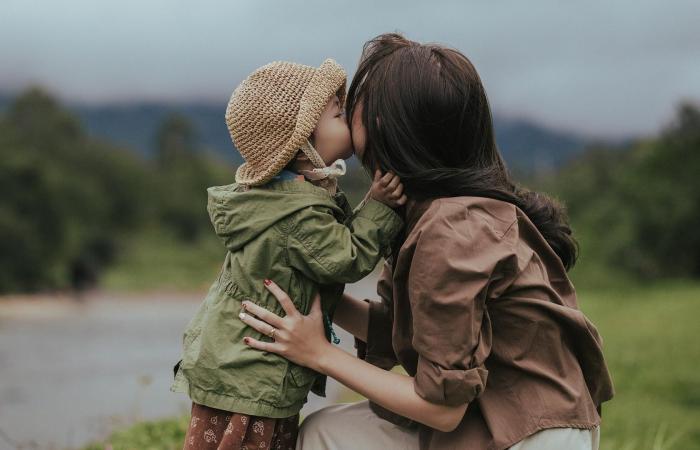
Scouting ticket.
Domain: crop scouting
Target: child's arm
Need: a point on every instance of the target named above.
(329, 252)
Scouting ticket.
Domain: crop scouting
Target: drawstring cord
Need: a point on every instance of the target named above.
(335, 170)
(329, 327)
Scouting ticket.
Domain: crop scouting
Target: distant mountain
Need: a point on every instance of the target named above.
(135, 125)
(527, 146)
(530, 147)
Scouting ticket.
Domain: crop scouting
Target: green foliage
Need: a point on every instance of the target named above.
(166, 434)
(182, 196)
(176, 140)
(65, 200)
(636, 210)
(155, 258)
(70, 202)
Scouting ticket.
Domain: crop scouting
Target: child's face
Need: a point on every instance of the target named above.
(332, 135)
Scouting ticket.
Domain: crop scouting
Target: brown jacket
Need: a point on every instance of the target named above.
(479, 309)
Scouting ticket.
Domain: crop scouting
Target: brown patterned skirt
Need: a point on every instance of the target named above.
(215, 429)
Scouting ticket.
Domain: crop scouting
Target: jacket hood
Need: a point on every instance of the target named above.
(241, 215)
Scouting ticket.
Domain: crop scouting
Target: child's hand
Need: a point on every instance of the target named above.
(387, 189)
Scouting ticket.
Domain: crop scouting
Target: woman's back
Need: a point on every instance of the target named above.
(482, 311)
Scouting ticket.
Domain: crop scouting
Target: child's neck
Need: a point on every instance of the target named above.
(299, 165)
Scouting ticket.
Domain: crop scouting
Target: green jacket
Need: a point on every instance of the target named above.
(305, 240)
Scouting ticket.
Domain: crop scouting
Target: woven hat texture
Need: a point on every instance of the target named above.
(273, 112)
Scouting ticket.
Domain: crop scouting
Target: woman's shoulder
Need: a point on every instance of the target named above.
(469, 213)
(459, 235)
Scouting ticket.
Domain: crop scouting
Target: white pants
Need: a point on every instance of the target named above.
(354, 426)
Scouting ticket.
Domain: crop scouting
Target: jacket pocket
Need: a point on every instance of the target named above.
(300, 376)
(190, 336)
(194, 327)
(191, 344)
(297, 384)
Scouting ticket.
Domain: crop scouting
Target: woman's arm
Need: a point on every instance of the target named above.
(393, 391)
(352, 315)
(301, 339)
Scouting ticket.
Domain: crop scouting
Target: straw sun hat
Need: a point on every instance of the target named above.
(273, 112)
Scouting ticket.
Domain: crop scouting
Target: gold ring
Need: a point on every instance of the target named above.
(272, 333)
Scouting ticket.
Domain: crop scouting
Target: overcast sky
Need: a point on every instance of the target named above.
(609, 68)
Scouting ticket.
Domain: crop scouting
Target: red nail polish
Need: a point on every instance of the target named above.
(267, 282)
(246, 340)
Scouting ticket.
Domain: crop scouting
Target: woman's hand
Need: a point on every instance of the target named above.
(299, 338)
(302, 340)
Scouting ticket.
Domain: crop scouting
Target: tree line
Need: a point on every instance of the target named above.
(69, 200)
(636, 209)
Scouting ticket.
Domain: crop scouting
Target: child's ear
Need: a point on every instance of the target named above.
(301, 156)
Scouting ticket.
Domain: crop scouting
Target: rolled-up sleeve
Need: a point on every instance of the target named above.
(448, 386)
(454, 270)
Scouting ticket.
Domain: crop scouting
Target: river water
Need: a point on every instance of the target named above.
(72, 372)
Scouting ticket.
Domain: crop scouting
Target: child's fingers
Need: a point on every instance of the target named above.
(281, 297)
(393, 184)
(402, 201)
(398, 191)
(263, 314)
(387, 178)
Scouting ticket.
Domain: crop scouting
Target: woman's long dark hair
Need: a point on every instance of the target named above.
(428, 120)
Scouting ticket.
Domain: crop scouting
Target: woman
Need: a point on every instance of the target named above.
(476, 304)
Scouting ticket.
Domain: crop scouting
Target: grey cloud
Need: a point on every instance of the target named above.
(601, 67)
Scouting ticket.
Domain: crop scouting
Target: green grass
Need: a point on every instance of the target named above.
(651, 345)
(152, 260)
(168, 434)
(653, 354)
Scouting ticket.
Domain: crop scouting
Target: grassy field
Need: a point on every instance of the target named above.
(152, 260)
(651, 345)
(653, 352)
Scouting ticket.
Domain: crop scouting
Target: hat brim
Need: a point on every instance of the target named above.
(328, 80)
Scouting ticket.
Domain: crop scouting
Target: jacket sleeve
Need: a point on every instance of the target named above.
(378, 350)
(455, 267)
(330, 252)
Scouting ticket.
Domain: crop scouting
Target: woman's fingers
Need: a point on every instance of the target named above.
(377, 175)
(281, 297)
(263, 314)
(256, 324)
(316, 304)
(273, 347)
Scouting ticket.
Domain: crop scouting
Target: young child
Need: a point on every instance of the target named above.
(284, 219)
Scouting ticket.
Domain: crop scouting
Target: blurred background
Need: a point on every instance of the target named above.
(111, 128)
